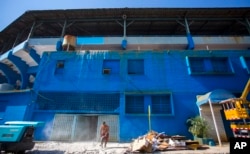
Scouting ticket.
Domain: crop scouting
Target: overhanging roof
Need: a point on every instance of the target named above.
(215, 96)
(140, 22)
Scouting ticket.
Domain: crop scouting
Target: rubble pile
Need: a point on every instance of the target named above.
(153, 141)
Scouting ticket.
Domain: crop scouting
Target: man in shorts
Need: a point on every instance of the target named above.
(104, 132)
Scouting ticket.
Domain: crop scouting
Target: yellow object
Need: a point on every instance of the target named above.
(238, 109)
(246, 90)
(193, 146)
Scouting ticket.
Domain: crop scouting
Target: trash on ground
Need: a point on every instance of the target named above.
(154, 141)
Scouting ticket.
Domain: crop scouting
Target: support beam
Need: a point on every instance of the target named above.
(64, 29)
(124, 41)
(248, 25)
(124, 26)
(16, 40)
(214, 120)
(10, 74)
(187, 26)
(22, 66)
(60, 41)
(34, 55)
(31, 30)
(190, 40)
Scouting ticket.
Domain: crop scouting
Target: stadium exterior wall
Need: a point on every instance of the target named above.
(126, 84)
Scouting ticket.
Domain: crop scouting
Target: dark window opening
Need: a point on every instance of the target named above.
(209, 65)
(59, 67)
(134, 104)
(111, 66)
(136, 66)
(106, 71)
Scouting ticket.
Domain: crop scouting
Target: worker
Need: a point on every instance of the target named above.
(104, 133)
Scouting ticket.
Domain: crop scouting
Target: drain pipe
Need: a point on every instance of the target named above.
(214, 120)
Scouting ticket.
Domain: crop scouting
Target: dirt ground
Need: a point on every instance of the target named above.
(112, 148)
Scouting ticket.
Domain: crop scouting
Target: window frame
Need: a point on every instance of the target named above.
(208, 65)
(169, 101)
(148, 101)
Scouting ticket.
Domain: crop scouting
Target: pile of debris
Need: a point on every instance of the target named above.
(154, 141)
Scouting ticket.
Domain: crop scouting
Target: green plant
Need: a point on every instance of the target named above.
(198, 126)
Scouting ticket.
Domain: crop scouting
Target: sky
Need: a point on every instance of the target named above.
(12, 9)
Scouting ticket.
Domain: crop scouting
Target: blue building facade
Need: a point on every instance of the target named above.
(126, 84)
(135, 88)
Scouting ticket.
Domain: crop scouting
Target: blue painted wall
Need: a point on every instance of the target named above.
(43, 133)
(164, 72)
(15, 106)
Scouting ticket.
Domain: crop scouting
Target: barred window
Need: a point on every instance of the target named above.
(134, 104)
(160, 104)
(209, 65)
(84, 102)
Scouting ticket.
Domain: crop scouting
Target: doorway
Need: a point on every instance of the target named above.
(80, 127)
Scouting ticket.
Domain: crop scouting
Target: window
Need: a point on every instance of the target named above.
(59, 67)
(106, 71)
(245, 62)
(197, 65)
(136, 66)
(161, 104)
(220, 65)
(134, 104)
(209, 65)
(111, 67)
(78, 101)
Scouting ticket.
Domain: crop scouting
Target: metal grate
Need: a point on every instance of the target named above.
(161, 104)
(62, 127)
(78, 127)
(85, 128)
(79, 101)
(220, 64)
(210, 65)
(197, 64)
(113, 122)
(134, 104)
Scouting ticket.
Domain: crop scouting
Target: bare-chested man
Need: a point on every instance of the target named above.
(104, 132)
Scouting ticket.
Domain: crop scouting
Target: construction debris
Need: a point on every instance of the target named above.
(154, 141)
